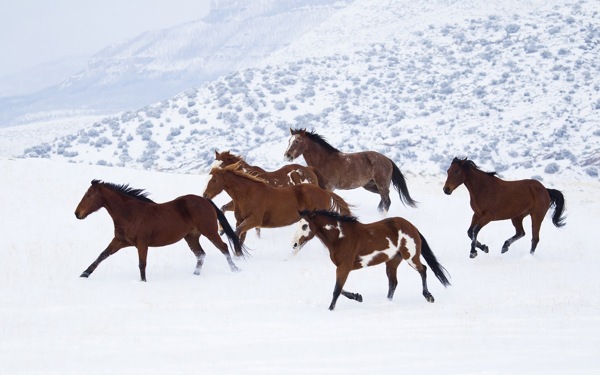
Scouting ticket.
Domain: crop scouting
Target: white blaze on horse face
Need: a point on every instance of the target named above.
(392, 250)
(302, 231)
(290, 142)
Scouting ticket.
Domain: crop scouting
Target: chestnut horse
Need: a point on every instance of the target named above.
(260, 205)
(353, 245)
(291, 174)
(142, 223)
(494, 199)
(369, 169)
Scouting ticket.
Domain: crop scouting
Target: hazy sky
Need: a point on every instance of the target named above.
(37, 31)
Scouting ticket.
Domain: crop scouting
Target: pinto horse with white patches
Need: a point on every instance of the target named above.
(353, 245)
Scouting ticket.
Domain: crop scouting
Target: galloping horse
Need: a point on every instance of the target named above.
(369, 169)
(291, 174)
(495, 199)
(353, 245)
(257, 204)
(142, 223)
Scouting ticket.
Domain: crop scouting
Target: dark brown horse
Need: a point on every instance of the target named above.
(260, 205)
(291, 174)
(142, 223)
(353, 245)
(369, 169)
(495, 199)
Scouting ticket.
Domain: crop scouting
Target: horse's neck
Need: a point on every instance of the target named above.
(118, 205)
(478, 183)
(237, 186)
(317, 156)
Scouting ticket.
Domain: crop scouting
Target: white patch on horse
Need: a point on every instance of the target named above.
(338, 227)
(292, 139)
(392, 250)
(411, 247)
(305, 181)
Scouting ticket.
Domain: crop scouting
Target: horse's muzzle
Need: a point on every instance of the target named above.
(288, 157)
(447, 190)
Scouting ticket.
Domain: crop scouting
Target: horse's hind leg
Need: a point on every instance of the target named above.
(385, 202)
(415, 262)
(391, 268)
(114, 246)
(219, 244)
(193, 241)
(520, 232)
(536, 223)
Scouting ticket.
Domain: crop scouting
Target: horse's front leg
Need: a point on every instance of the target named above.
(342, 273)
(114, 246)
(142, 255)
(476, 225)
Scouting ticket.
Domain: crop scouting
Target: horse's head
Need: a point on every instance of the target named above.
(456, 175)
(215, 185)
(303, 234)
(296, 145)
(226, 158)
(91, 201)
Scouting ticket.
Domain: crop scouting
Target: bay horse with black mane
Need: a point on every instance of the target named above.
(260, 205)
(353, 245)
(142, 223)
(368, 169)
(494, 199)
(291, 174)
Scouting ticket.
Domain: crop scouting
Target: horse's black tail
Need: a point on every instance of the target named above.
(438, 270)
(234, 240)
(557, 199)
(400, 185)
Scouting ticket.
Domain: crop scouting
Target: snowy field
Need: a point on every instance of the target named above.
(503, 314)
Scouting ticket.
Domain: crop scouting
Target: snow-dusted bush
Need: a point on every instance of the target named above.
(551, 168)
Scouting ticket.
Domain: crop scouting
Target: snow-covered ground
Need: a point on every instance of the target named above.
(504, 314)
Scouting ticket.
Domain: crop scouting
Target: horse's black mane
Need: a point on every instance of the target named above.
(127, 190)
(316, 138)
(331, 214)
(466, 163)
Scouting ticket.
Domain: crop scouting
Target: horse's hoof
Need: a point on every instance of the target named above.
(485, 249)
(429, 298)
(504, 249)
(473, 254)
(359, 297)
(197, 272)
(85, 274)
(221, 232)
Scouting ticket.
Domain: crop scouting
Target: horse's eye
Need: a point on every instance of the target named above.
(305, 227)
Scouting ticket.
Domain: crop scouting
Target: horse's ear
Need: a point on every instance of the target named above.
(291, 131)
(95, 182)
(216, 153)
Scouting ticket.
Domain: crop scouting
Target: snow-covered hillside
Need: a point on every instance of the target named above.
(159, 64)
(512, 88)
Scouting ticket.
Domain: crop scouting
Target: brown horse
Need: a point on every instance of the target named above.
(353, 245)
(369, 169)
(258, 204)
(495, 199)
(291, 174)
(142, 223)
